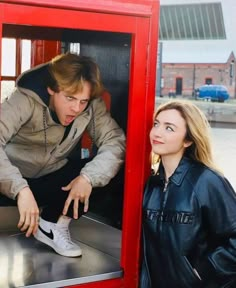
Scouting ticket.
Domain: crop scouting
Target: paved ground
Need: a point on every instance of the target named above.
(224, 142)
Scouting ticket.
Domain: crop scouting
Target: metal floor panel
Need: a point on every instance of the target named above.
(25, 262)
(97, 235)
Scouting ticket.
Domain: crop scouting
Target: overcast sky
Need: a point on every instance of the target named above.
(204, 51)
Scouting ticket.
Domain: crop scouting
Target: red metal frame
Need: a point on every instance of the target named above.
(130, 7)
(140, 19)
(44, 50)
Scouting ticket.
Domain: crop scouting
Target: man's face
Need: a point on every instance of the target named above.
(68, 107)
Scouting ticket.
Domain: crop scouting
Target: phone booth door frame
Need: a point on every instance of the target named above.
(140, 19)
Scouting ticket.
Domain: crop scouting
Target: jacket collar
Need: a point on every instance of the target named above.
(178, 176)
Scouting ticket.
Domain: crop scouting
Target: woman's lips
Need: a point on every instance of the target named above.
(157, 142)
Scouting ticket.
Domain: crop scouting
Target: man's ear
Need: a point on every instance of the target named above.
(50, 91)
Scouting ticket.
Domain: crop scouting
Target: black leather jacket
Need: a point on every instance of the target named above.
(190, 224)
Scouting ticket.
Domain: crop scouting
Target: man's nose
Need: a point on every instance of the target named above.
(76, 107)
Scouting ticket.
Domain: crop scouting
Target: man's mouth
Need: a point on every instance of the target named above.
(69, 119)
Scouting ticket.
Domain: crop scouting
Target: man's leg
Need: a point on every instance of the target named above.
(49, 195)
(53, 227)
(5, 201)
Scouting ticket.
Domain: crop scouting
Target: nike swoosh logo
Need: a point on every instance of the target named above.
(48, 234)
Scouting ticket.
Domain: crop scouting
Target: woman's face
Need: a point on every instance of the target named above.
(167, 135)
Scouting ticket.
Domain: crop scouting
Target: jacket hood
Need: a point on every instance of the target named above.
(33, 82)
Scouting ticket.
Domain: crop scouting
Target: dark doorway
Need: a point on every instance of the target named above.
(208, 81)
(179, 86)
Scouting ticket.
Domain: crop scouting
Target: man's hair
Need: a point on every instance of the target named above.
(198, 130)
(69, 72)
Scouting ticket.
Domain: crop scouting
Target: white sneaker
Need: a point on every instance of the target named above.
(57, 236)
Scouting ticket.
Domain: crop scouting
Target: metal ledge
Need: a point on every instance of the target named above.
(25, 262)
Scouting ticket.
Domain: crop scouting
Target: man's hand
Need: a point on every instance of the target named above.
(29, 211)
(80, 190)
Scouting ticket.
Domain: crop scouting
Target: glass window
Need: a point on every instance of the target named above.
(8, 57)
(25, 57)
(6, 89)
(192, 21)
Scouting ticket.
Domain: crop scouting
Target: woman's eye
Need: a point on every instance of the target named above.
(155, 124)
(169, 128)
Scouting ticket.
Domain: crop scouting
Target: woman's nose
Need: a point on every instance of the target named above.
(157, 131)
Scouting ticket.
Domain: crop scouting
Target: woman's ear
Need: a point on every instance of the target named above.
(187, 143)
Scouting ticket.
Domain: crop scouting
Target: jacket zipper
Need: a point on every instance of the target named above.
(163, 201)
(165, 185)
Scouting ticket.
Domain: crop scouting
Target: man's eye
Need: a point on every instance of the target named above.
(83, 102)
(69, 98)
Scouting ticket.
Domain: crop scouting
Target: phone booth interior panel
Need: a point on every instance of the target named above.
(121, 36)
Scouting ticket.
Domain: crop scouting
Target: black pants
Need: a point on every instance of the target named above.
(106, 201)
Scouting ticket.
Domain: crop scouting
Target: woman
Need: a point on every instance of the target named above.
(189, 208)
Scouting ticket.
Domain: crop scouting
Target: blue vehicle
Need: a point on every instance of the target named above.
(214, 93)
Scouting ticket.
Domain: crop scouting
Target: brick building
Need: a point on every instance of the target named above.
(197, 46)
(184, 78)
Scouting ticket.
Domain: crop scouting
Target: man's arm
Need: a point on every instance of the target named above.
(110, 140)
(14, 113)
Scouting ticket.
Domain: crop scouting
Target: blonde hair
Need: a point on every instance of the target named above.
(70, 71)
(197, 131)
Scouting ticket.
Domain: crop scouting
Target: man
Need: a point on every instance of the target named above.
(40, 125)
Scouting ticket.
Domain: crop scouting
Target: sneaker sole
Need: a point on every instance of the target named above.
(41, 237)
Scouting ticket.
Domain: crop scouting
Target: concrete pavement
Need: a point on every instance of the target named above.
(224, 144)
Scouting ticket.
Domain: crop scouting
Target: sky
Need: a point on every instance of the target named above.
(204, 51)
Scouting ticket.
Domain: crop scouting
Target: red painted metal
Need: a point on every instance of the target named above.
(0, 55)
(130, 7)
(140, 19)
(44, 50)
(151, 77)
(41, 16)
(18, 54)
(86, 140)
(135, 158)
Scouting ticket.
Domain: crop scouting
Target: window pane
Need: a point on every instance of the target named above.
(26, 54)
(6, 89)
(8, 57)
(191, 21)
(75, 48)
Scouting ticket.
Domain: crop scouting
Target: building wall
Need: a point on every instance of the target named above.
(194, 75)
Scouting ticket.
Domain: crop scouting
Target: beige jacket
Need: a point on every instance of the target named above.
(30, 141)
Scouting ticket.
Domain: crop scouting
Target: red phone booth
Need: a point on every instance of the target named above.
(122, 36)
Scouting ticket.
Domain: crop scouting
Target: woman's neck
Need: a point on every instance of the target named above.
(170, 163)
